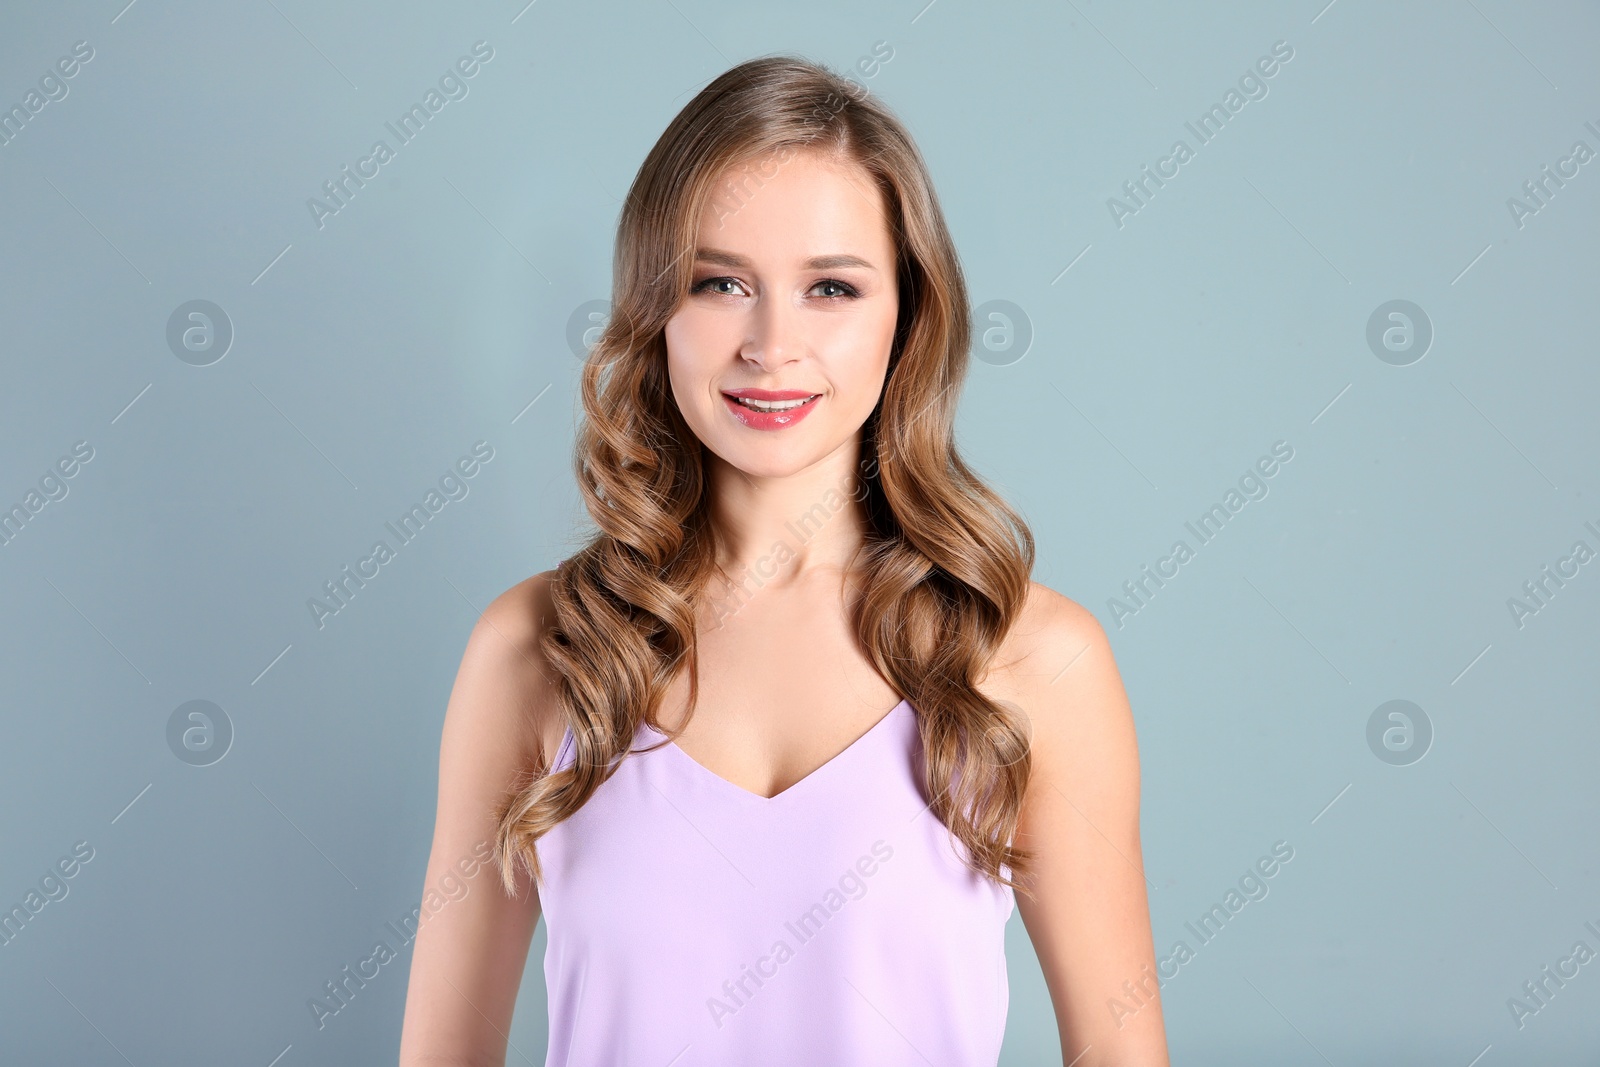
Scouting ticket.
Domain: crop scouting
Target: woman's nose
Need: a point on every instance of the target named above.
(774, 334)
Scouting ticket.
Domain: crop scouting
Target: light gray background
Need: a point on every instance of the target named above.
(1229, 313)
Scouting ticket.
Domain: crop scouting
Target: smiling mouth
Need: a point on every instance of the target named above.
(776, 413)
(772, 405)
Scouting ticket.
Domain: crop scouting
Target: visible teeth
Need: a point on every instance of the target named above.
(772, 405)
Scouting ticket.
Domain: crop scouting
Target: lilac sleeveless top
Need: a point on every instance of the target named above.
(693, 923)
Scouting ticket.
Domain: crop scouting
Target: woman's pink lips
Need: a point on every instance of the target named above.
(769, 420)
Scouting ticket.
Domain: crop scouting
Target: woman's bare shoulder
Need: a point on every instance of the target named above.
(504, 690)
(1054, 622)
(1047, 625)
(1057, 664)
(1055, 647)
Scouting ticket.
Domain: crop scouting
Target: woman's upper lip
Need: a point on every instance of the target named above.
(770, 394)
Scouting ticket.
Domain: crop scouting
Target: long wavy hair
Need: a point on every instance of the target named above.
(946, 563)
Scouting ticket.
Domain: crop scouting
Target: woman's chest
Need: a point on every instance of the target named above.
(782, 690)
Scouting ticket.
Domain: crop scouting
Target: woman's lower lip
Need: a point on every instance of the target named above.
(769, 420)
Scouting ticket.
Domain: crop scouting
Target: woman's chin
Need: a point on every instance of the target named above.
(766, 460)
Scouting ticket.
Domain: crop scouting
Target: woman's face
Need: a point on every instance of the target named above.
(792, 293)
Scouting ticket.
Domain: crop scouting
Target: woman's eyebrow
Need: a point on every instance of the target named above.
(829, 262)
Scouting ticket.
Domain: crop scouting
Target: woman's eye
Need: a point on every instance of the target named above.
(706, 285)
(844, 290)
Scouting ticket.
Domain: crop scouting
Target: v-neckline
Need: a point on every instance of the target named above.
(753, 796)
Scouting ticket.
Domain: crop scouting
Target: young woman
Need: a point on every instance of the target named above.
(780, 748)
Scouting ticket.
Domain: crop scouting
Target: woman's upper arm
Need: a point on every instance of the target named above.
(1090, 919)
(469, 954)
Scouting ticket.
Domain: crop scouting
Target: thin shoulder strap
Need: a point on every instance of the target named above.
(561, 750)
(566, 734)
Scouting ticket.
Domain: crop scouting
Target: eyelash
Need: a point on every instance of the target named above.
(850, 291)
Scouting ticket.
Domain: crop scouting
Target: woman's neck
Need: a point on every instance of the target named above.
(782, 530)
